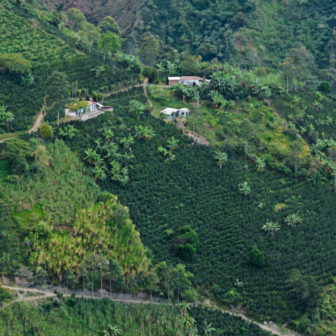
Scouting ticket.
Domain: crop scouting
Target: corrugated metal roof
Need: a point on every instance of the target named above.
(192, 78)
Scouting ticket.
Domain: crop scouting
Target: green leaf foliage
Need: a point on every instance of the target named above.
(193, 190)
(82, 316)
(257, 258)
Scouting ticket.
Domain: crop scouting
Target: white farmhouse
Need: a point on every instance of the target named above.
(188, 80)
(92, 107)
(173, 113)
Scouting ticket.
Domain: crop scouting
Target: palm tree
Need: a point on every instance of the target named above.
(99, 173)
(271, 227)
(239, 283)
(208, 329)
(171, 67)
(188, 321)
(222, 158)
(112, 331)
(261, 164)
(138, 131)
(172, 143)
(90, 155)
(108, 134)
(184, 38)
(292, 219)
(171, 157)
(29, 80)
(244, 188)
(185, 307)
(98, 70)
(161, 67)
(5, 117)
(97, 160)
(163, 150)
(303, 129)
(329, 120)
(148, 133)
(68, 131)
(260, 206)
(126, 142)
(136, 108)
(99, 143)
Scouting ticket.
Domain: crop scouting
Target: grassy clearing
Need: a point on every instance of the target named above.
(279, 206)
(28, 220)
(267, 126)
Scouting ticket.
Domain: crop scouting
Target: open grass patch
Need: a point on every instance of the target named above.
(280, 206)
(27, 219)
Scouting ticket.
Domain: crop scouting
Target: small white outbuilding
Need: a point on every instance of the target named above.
(173, 113)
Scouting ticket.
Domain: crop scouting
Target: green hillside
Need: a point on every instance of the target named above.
(192, 190)
(25, 31)
(244, 32)
(93, 317)
(20, 35)
(131, 202)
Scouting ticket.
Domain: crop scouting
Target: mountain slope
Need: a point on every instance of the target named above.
(124, 12)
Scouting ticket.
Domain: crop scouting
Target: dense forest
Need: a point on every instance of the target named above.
(231, 207)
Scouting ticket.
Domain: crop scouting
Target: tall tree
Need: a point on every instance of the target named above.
(132, 283)
(166, 276)
(109, 42)
(40, 277)
(141, 278)
(307, 288)
(149, 49)
(5, 116)
(181, 278)
(109, 25)
(70, 278)
(76, 18)
(90, 33)
(153, 280)
(114, 275)
(294, 156)
(57, 90)
(92, 263)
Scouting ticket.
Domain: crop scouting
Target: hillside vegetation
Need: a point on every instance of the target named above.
(94, 317)
(30, 35)
(127, 202)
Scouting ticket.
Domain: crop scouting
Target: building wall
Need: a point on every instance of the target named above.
(191, 82)
(172, 82)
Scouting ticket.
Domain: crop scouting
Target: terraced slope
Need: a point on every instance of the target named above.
(20, 35)
(192, 190)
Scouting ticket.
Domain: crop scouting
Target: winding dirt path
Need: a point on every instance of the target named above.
(37, 123)
(274, 329)
(145, 93)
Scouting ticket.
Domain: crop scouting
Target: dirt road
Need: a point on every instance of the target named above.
(274, 329)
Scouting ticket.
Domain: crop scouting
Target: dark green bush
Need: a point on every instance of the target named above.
(257, 258)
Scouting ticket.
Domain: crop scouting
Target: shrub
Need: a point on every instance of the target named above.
(325, 87)
(46, 132)
(150, 73)
(257, 258)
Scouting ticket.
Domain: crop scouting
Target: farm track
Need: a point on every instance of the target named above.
(274, 329)
(145, 93)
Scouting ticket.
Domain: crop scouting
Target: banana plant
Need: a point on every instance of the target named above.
(244, 188)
